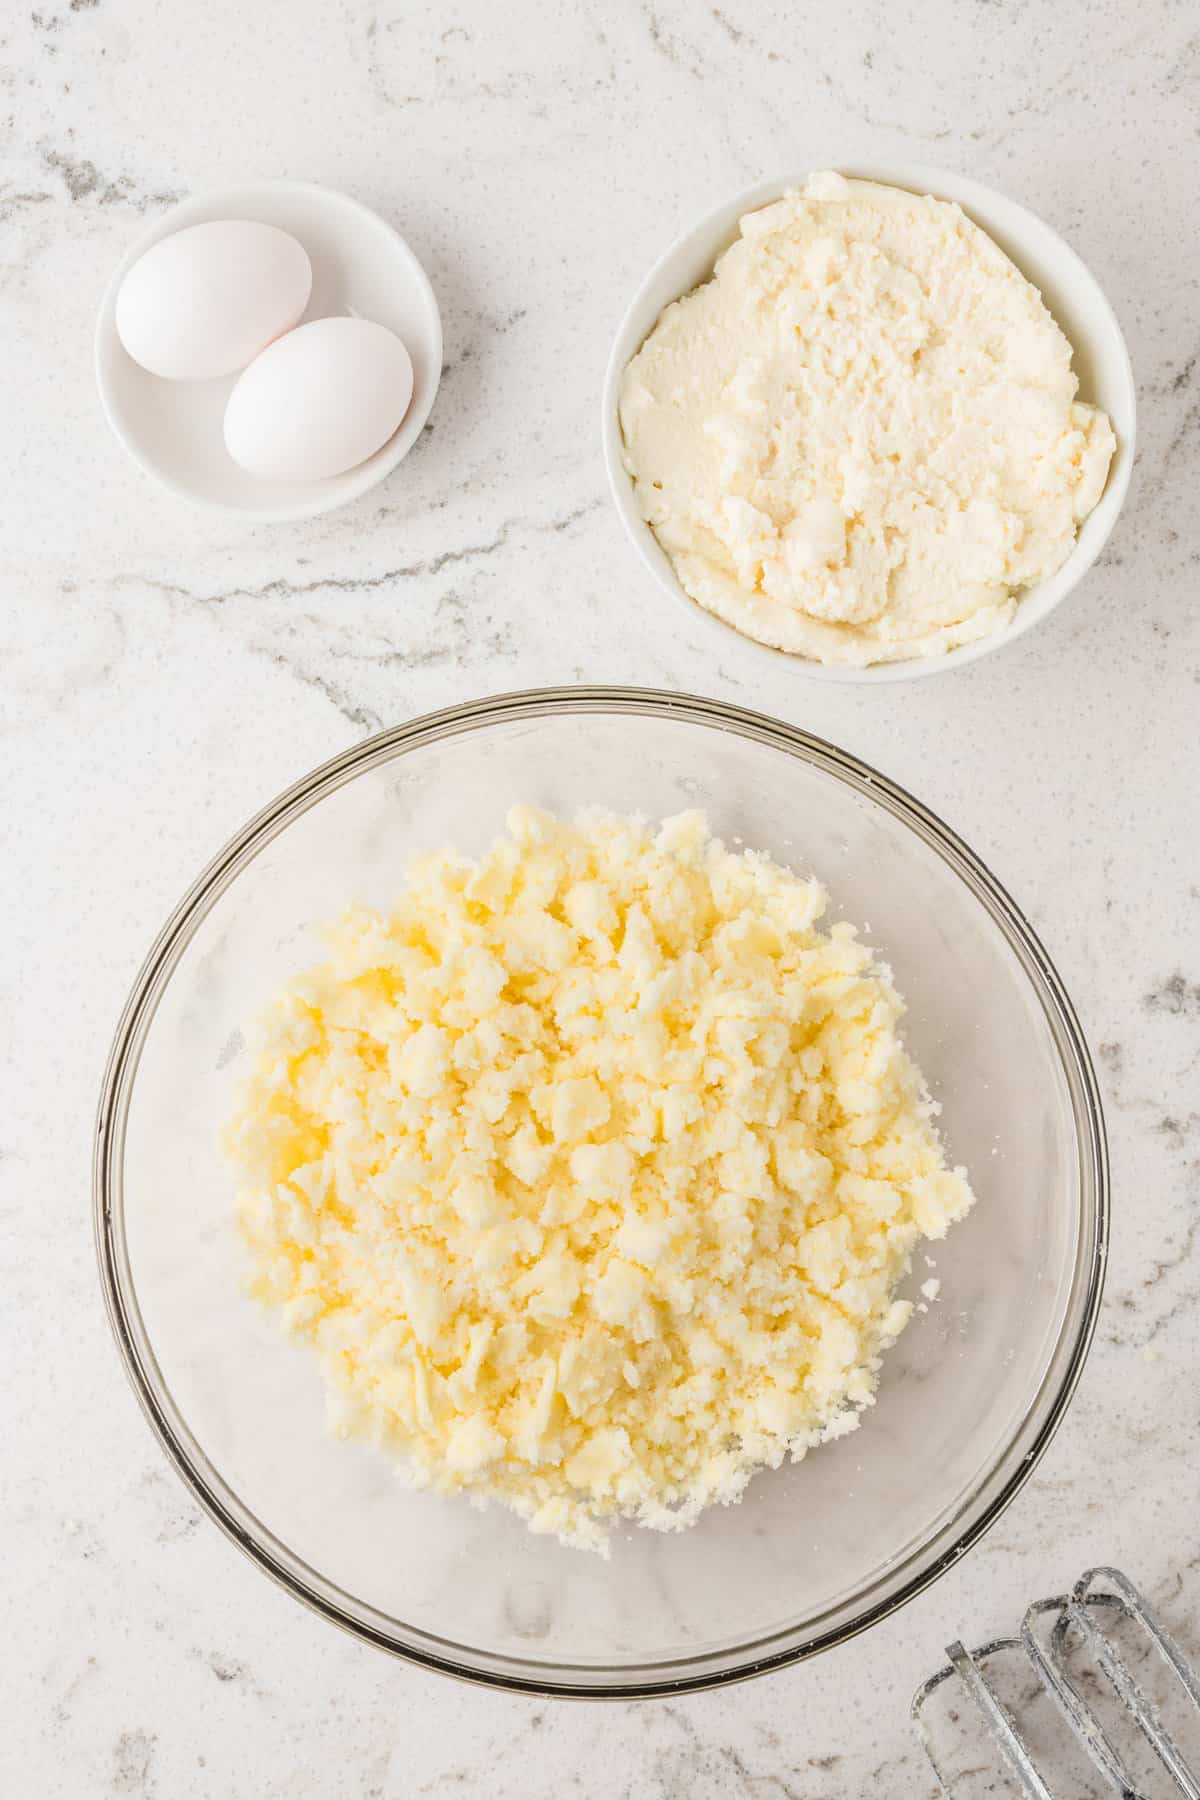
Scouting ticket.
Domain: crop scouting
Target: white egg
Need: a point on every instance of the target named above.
(320, 401)
(206, 300)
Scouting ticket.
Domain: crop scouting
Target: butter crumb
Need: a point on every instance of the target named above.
(590, 1172)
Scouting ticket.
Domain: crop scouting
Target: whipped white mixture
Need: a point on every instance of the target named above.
(860, 439)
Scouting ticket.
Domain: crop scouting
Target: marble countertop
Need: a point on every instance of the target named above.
(164, 673)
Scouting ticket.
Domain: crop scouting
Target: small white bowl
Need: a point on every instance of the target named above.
(1070, 291)
(173, 429)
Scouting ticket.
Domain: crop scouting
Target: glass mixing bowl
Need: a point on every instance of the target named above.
(817, 1551)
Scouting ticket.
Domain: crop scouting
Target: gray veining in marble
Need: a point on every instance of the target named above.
(165, 672)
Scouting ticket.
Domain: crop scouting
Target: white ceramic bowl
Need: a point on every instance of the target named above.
(1070, 291)
(173, 429)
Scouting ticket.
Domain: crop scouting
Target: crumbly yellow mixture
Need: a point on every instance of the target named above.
(591, 1171)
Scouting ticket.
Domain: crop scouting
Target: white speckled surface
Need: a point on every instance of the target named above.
(164, 674)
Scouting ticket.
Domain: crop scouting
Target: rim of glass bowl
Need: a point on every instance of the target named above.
(598, 1679)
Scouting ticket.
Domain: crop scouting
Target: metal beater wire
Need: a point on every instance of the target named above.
(965, 1664)
(1049, 1664)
